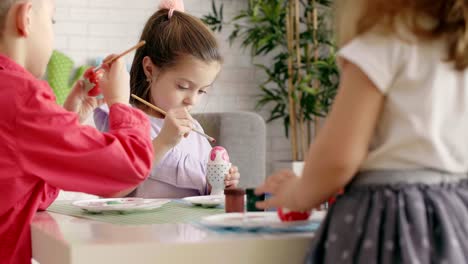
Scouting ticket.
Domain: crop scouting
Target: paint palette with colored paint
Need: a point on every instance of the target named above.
(122, 205)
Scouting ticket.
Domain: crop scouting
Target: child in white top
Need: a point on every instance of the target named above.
(396, 138)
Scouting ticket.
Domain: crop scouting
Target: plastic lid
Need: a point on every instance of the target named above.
(235, 191)
(250, 191)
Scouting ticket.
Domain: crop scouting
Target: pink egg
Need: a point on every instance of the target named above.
(219, 153)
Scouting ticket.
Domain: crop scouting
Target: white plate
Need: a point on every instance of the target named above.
(205, 200)
(124, 205)
(252, 220)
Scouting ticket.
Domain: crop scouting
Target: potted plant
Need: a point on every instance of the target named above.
(302, 78)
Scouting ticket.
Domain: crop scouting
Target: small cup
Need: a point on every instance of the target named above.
(215, 175)
(252, 199)
(234, 200)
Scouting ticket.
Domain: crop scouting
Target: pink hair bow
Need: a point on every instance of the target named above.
(172, 5)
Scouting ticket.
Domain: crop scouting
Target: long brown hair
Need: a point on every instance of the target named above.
(167, 41)
(426, 20)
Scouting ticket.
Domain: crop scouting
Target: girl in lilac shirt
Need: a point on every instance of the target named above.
(175, 68)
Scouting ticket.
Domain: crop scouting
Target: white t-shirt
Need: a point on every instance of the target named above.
(424, 122)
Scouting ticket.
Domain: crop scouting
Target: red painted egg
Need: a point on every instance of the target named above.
(93, 80)
(287, 215)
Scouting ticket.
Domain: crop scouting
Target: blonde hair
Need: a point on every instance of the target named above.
(5, 6)
(448, 20)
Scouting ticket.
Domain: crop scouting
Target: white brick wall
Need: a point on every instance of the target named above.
(86, 29)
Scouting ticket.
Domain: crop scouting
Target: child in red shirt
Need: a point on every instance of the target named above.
(43, 147)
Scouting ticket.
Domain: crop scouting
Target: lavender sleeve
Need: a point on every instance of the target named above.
(182, 170)
(184, 166)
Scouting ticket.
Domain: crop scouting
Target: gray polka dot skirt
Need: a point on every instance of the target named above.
(416, 217)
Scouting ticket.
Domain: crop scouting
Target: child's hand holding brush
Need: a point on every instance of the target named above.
(109, 80)
(115, 82)
(92, 76)
(113, 86)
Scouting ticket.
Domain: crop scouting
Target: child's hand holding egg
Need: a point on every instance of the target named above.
(91, 82)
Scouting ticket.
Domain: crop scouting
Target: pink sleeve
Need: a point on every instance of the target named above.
(55, 147)
(49, 195)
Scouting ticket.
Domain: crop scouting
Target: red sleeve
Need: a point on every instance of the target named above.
(49, 195)
(56, 148)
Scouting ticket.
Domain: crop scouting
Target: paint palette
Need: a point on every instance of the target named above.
(257, 220)
(122, 205)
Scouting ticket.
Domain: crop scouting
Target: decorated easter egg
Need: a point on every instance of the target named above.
(91, 80)
(217, 168)
(218, 154)
(287, 215)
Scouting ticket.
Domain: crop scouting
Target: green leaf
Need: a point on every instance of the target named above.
(213, 8)
(221, 11)
(309, 90)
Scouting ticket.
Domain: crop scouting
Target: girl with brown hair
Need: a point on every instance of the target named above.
(173, 71)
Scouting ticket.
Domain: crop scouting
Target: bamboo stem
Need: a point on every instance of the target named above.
(292, 106)
(308, 52)
(299, 71)
(316, 55)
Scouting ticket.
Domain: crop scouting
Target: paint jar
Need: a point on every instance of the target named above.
(234, 202)
(252, 199)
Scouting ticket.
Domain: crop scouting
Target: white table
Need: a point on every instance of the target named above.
(61, 239)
